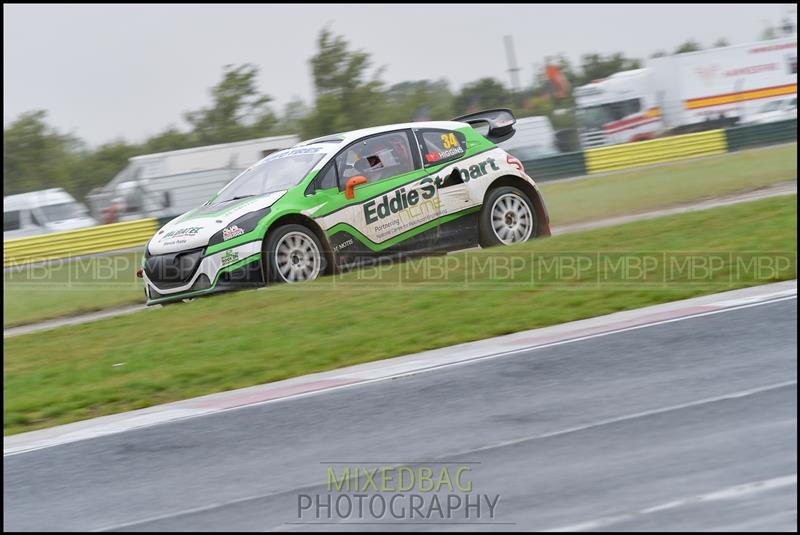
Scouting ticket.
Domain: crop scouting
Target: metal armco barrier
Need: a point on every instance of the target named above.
(759, 135)
(562, 166)
(655, 151)
(71, 243)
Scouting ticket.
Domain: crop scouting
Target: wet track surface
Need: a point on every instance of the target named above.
(684, 425)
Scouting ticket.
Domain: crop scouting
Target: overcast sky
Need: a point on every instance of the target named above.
(130, 71)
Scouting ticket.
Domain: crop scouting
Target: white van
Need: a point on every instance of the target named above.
(534, 138)
(40, 212)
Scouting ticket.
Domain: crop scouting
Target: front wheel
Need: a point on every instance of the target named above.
(293, 253)
(507, 217)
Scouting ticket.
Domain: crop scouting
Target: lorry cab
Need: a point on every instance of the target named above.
(688, 92)
(41, 212)
(618, 109)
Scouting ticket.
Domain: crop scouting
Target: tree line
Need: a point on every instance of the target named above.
(348, 94)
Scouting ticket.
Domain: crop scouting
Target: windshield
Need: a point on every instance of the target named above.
(60, 212)
(278, 172)
(594, 117)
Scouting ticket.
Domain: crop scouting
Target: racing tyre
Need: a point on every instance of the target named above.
(507, 217)
(293, 253)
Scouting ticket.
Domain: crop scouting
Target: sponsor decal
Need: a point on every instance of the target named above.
(231, 232)
(344, 244)
(186, 231)
(229, 257)
(293, 152)
(450, 147)
(401, 199)
(472, 172)
(392, 203)
(444, 154)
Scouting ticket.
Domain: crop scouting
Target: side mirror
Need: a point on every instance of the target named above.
(352, 182)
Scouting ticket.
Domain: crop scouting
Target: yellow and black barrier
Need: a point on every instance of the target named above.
(667, 149)
(72, 243)
(655, 151)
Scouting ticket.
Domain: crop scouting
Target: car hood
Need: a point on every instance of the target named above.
(193, 229)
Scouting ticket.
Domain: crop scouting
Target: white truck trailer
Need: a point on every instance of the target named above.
(686, 92)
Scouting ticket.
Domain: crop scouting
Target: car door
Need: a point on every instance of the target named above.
(395, 210)
(441, 152)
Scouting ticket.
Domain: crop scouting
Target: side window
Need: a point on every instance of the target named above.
(11, 221)
(439, 146)
(377, 158)
(35, 218)
(625, 108)
(327, 179)
(618, 110)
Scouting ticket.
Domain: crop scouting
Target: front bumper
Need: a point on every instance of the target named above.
(176, 276)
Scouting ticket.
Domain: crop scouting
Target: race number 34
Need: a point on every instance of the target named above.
(449, 141)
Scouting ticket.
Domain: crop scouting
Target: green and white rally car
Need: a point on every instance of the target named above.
(338, 201)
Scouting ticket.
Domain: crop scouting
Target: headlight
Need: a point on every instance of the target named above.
(243, 225)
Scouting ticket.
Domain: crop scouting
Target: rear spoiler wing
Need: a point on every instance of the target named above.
(501, 123)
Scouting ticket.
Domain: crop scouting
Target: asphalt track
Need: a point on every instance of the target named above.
(681, 425)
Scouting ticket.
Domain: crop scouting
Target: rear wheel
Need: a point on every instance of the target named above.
(507, 217)
(293, 253)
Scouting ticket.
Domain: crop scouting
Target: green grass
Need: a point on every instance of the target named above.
(643, 190)
(88, 285)
(246, 338)
(66, 288)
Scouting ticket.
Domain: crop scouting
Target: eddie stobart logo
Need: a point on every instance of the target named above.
(478, 170)
(401, 199)
(393, 203)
